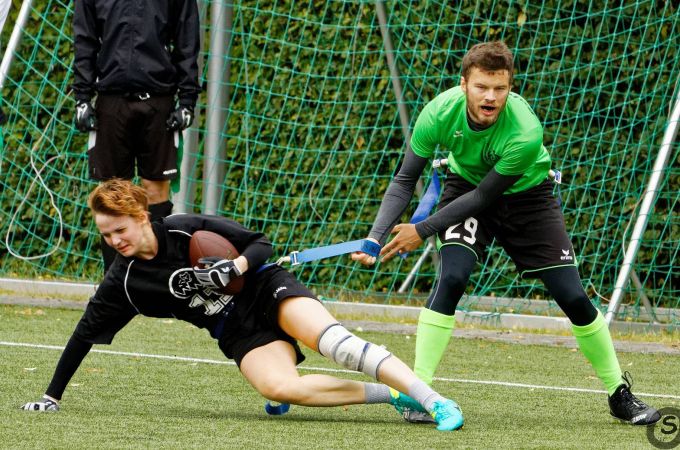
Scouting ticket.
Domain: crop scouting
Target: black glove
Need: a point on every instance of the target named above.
(218, 273)
(85, 116)
(180, 119)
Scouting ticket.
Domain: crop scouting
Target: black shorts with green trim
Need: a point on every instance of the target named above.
(529, 225)
(256, 324)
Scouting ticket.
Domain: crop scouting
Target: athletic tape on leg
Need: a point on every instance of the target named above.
(350, 351)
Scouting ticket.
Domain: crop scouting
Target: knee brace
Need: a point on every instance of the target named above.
(350, 351)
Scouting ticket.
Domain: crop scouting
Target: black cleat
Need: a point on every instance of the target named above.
(415, 416)
(626, 407)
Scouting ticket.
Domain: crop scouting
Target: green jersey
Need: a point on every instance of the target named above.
(513, 145)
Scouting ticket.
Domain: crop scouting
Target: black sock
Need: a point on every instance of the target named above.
(160, 210)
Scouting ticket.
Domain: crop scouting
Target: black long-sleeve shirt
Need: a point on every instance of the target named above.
(165, 286)
(128, 46)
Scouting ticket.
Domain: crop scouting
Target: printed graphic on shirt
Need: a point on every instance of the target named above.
(184, 285)
(489, 155)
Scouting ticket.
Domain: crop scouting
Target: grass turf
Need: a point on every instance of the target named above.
(117, 401)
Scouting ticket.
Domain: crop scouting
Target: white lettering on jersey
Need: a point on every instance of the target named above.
(470, 226)
(184, 285)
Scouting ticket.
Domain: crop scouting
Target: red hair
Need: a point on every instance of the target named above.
(117, 198)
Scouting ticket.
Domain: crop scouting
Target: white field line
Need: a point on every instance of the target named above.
(324, 369)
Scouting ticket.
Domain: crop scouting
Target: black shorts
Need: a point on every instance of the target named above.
(529, 225)
(255, 322)
(132, 132)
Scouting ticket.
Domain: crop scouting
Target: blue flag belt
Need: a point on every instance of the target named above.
(314, 254)
(428, 200)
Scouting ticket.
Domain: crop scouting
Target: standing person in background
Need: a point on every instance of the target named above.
(140, 60)
(497, 188)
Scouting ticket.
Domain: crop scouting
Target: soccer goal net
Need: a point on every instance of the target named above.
(315, 104)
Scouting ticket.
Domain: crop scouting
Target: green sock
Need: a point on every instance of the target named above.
(434, 332)
(596, 344)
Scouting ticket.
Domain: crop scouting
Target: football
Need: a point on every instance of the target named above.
(206, 243)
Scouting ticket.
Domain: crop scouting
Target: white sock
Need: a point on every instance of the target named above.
(424, 394)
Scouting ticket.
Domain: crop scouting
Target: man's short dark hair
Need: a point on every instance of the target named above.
(488, 56)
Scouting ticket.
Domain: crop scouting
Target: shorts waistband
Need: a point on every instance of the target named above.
(137, 96)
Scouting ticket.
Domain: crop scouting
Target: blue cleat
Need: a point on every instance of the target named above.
(448, 415)
(274, 409)
(402, 401)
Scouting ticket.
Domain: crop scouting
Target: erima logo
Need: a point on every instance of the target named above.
(279, 289)
(638, 418)
(458, 134)
(169, 171)
(566, 256)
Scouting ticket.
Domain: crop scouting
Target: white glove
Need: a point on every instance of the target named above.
(44, 404)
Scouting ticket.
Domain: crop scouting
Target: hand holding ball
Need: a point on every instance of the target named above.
(211, 256)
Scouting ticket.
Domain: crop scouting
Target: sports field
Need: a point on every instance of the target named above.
(164, 384)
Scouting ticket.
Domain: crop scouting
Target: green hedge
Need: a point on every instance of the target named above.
(312, 134)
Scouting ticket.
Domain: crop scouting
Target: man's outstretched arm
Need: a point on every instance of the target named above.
(397, 196)
(394, 203)
(409, 237)
(489, 190)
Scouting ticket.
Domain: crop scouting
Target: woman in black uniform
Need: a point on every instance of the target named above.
(259, 327)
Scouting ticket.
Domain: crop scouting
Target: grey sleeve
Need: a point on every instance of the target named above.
(490, 188)
(397, 196)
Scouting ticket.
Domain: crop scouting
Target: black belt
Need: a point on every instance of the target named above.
(217, 331)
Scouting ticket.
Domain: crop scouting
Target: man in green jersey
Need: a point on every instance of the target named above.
(497, 187)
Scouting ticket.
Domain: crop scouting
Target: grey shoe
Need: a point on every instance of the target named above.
(413, 416)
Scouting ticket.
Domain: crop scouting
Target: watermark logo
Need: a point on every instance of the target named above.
(665, 434)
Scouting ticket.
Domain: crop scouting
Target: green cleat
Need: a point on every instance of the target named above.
(401, 401)
(448, 415)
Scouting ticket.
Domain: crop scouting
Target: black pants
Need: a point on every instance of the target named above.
(457, 263)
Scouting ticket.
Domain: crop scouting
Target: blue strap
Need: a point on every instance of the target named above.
(219, 327)
(264, 267)
(557, 178)
(428, 200)
(313, 254)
